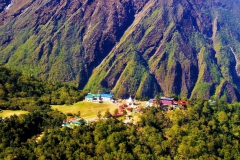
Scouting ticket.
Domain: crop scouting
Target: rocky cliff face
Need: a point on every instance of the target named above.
(186, 47)
(62, 40)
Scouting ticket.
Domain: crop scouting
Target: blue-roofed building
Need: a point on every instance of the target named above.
(106, 96)
(99, 97)
(93, 97)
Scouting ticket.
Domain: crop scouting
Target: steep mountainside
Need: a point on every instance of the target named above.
(63, 39)
(186, 47)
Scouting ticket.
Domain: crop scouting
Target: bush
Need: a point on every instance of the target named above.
(70, 114)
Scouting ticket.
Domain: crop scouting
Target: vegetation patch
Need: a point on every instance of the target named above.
(18, 92)
(87, 109)
(201, 90)
(8, 113)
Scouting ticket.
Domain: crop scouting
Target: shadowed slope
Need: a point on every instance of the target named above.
(186, 47)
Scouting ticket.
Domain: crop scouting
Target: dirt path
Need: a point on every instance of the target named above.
(214, 28)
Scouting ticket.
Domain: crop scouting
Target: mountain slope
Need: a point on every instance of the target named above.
(186, 47)
(62, 40)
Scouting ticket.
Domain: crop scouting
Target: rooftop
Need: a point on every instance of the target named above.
(167, 98)
(105, 95)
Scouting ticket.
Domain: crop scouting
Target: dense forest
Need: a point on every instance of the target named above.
(22, 92)
(203, 131)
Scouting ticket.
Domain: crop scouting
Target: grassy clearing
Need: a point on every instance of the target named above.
(8, 113)
(88, 109)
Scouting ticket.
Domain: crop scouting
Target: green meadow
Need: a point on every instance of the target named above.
(87, 109)
(8, 113)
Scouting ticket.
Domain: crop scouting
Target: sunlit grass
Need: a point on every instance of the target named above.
(88, 109)
(8, 113)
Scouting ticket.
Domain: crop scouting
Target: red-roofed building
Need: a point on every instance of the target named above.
(183, 102)
(166, 101)
(120, 109)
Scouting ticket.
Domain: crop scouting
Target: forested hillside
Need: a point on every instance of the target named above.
(203, 131)
(18, 91)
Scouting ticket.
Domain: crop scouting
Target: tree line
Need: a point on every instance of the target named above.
(203, 131)
(22, 92)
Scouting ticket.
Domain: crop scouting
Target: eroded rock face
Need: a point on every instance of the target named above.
(4, 4)
(68, 39)
(177, 40)
(185, 47)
